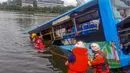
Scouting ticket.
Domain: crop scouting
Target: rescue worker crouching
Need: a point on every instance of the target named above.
(99, 62)
(78, 60)
(38, 44)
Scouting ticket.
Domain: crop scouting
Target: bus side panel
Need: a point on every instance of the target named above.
(108, 47)
(108, 20)
(110, 29)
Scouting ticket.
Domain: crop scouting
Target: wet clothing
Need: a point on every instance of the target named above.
(37, 40)
(79, 63)
(100, 63)
(41, 46)
(38, 44)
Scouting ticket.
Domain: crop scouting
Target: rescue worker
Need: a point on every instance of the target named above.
(78, 60)
(38, 44)
(31, 36)
(99, 62)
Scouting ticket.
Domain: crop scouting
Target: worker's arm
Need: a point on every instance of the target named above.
(71, 59)
(67, 63)
(98, 60)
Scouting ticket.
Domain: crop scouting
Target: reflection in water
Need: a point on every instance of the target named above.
(29, 21)
(25, 23)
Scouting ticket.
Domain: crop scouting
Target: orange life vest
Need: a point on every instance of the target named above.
(41, 46)
(81, 61)
(100, 62)
(38, 40)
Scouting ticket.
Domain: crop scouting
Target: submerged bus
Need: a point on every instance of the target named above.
(106, 22)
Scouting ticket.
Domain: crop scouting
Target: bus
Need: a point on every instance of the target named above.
(106, 22)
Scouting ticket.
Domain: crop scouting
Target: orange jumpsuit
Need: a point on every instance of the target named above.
(81, 61)
(38, 44)
(99, 63)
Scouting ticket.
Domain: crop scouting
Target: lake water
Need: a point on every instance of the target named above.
(16, 52)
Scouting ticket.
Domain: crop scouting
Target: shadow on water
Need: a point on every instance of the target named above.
(57, 62)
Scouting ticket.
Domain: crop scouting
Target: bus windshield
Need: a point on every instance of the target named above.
(121, 8)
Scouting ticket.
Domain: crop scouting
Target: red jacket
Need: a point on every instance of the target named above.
(38, 40)
(41, 46)
(100, 63)
(81, 62)
(38, 44)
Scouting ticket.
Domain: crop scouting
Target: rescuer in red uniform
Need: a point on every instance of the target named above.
(38, 44)
(78, 60)
(99, 62)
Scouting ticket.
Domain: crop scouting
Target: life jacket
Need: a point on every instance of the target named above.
(81, 62)
(35, 39)
(36, 45)
(103, 66)
(41, 46)
(38, 40)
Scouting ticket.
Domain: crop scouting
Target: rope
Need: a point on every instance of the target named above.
(57, 53)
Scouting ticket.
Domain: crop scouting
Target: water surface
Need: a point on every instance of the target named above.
(16, 53)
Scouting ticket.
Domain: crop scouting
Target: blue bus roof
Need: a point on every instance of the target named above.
(39, 28)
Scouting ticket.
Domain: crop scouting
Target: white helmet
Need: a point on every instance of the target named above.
(80, 44)
(95, 47)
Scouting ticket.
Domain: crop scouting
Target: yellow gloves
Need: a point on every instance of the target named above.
(89, 63)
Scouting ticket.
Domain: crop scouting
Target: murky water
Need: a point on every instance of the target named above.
(16, 53)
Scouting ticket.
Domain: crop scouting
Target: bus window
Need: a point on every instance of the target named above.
(121, 8)
(57, 42)
(69, 41)
(46, 34)
(68, 30)
(124, 36)
(91, 26)
(57, 32)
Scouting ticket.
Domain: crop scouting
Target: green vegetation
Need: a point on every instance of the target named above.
(113, 63)
(16, 7)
